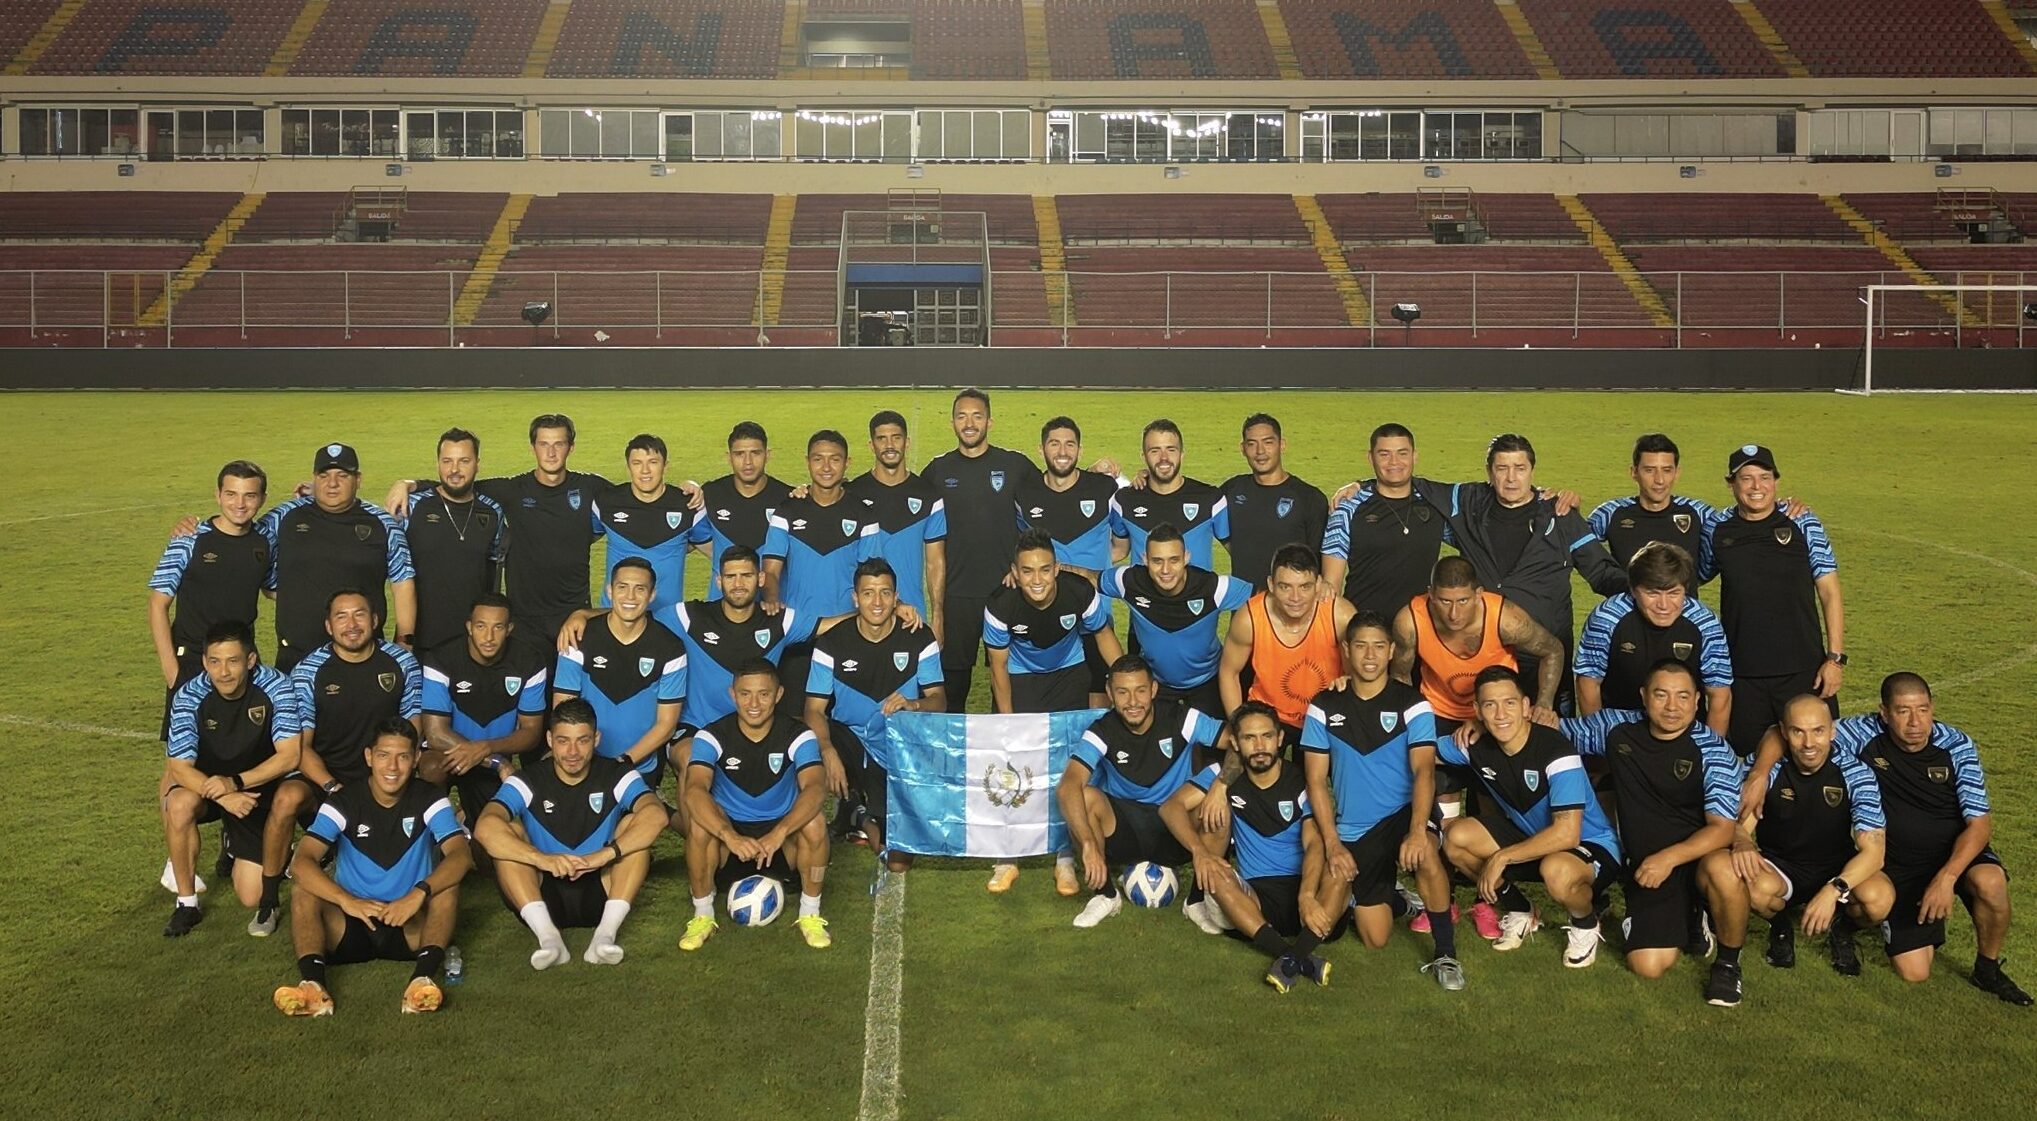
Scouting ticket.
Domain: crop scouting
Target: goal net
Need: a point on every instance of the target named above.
(1947, 315)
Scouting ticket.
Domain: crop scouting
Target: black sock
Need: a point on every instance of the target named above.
(1304, 944)
(1511, 899)
(272, 886)
(1842, 925)
(1729, 955)
(1397, 906)
(311, 967)
(1109, 890)
(430, 960)
(1985, 967)
(1270, 941)
(1195, 894)
(1587, 922)
(1444, 932)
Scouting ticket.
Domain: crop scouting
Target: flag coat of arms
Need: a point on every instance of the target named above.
(979, 785)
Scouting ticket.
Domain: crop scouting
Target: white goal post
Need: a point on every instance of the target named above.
(1997, 311)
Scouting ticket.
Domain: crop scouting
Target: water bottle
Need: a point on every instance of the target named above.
(455, 968)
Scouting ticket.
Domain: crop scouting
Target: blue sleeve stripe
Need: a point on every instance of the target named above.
(1722, 775)
(1823, 563)
(1595, 642)
(169, 571)
(1865, 793)
(1337, 534)
(1971, 784)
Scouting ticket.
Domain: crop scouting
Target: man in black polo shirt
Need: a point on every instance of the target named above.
(458, 538)
(1776, 575)
(209, 577)
(976, 482)
(1380, 545)
(333, 540)
(1267, 506)
(1655, 512)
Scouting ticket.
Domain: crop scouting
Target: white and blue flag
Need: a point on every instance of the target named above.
(979, 785)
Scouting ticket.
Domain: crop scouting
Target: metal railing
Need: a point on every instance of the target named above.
(319, 307)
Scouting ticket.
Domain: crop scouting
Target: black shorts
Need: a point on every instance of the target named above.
(1658, 918)
(1901, 932)
(573, 903)
(1279, 899)
(1377, 855)
(1093, 663)
(795, 662)
(1451, 778)
(314, 797)
(1758, 703)
(1606, 869)
(475, 787)
(242, 836)
(1140, 836)
(1061, 690)
(1206, 697)
(1800, 881)
(870, 786)
(358, 944)
(780, 868)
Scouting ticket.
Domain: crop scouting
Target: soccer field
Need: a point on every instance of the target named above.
(983, 1006)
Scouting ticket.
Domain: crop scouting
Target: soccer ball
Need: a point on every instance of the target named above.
(755, 900)
(1150, 885)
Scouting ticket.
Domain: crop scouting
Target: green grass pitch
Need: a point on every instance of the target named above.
(1004, 1010)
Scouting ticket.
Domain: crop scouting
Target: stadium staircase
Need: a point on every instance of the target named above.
(43, 40)
(1053, 261)
(1531, 43)
(1278, 38)
(1770, 39)
(1038, 66)
(474, 292)
(777, 251)
(791, 62)
(1350, 293)
(1898, 256)
(1616, 259)
(201, 262)
(295, 38)
(547, 41)
(1999, 13)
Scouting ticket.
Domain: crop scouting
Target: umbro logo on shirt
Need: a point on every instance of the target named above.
(1138, 511)
(1142, 601)
(361, 830)
(1237, 801)
(619, 517)
(1123, 758)
(548, 805)
(731, 763)
(600, 661)
(1336, 720)
(711, 639)
(799, 523)
(849, 665)
(332, 689)
(1019, 628)
(464, 687)
(1035, 512)
(1487, 773)
(721, 515)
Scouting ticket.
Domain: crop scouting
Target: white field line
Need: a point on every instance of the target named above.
(89, 513)
(1992, 669)
(880, 1016)
(71, 726)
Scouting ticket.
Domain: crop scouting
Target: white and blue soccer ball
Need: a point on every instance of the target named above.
(755, 900)
(1150, 885)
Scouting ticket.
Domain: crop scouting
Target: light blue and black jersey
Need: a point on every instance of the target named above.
(1044, 639)
(1668, 789)
(1768, 569)
(755, 780)
(381, 852)
(1619, 646)
(908, 516)
(716, 645)
(483, 702)
(571, 819)
(1942, 781)
(1368, 741)
(1532, 785)
(855, 674)
(659, 532)
(626, 684)
(1177, 633)
(225, 736)
(1195, 508)
(213, 577)
(1078, 519)
(1267, 822)
(1146, 766)
(1814, 821)
(820, 547)
(1627, 527)
(733, 518)
(341, 703)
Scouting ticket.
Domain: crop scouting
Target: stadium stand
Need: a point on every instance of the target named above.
(1207, 39)
(112, 216)
(1220, 218)
(668, 39)
(142, 37)
(647, 217)
(1917, 38)
(396, 38)
(1699, 216)
(1403, 39)
(1649, 39)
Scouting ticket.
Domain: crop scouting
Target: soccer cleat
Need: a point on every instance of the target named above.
(814, 929)
(264, 922)
(1485, 920)
(1999, 984)
(1723, 989)
(1198, 913)
(1583, 947)
(182, 921)
(169, 880)
(1002, 876)
(698, 929)
(1066, 882)
(1316, 968)
(1449, 973)
(1282, 974)
(1514, 928)
(1845, 956)
(1418, 922)
(1782, 943)
(422, 994)
(305, 998)
(1099, 908)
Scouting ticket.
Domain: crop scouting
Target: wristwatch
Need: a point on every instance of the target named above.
(1845, 890)
(1836, 657)
(332, 787)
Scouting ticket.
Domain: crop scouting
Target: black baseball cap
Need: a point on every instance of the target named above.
(336, 456)
(1750, 453)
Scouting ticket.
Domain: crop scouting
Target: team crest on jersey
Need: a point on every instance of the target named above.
(1681, 649)
(510, 685)
(1283, 507)
(1835, 795)
(1938, 774)
(595, 799)
(1067, 622)
(573, 499)
(363, 531)
(912, 505)
(848, 527)
(777, 761)
(763, 637)
(1190, 509)
(257, 715)
(1388, 721)
(899, 658)
(1533, 779)
(1681, 522)
(1286, 809)
(1167, 747)
(645, 665)
(997, 480)
(673, 518)
(409, 826)
(1784, 534)
(387, 681)
(1195, 606)
(1681, 769)
(1088, 507)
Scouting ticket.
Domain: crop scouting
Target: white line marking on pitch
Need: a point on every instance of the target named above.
(71, 726)
(2028, 577)
(880, 1016)
(89, 513)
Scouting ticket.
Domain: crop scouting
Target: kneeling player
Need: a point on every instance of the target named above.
(1543, 821)
(754, 800)
(394, 890)
(1129, 763)
(571, 839)
(1274, 884)
(1814, 845)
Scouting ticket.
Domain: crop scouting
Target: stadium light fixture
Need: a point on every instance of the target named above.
(1407, 313)
(1687, 171)
(536, 312)
(2030, 312)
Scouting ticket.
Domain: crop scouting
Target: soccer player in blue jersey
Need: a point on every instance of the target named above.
(1174, 606)
(754, 805)
(1034, 631)
(393, 891)
(864, 671)
(1658, 617)
(1070, 504)
(233, 735)
(571, 838)
(647, 518)
(1369, 751)
(1678, 786)
(1165, 496)
(632, 670)
(1129, 763)
(1811, 851)
(1542, 821)
(1266, 873)
(911, 517)
(737, 508)
(814, 544)
(1268, 507)
(484, 704)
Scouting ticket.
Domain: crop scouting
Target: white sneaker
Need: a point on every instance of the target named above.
(1214, 912)
(169, 880)
(1583, 948)
(1099, 908)
(1515, 927)
(1198, 913)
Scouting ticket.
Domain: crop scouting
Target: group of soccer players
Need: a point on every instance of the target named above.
(1344, 709)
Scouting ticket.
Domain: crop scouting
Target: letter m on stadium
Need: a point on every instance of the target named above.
(682, 55)
(1359, 34)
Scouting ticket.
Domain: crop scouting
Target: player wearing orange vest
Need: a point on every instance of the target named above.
(1458, 629)
(1288, 637)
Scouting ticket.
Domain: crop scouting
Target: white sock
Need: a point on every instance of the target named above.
(808, 905)
(187, 901)
(703, 906)
(551, 949)
(1450, 810)
(612, 914)
(1064, 860)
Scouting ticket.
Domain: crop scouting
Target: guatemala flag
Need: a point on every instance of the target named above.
(978, 785)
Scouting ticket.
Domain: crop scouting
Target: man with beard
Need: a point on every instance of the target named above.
(1069, 504)
(1658, 618)
(1655, 513)
(976, 482)
(1194, 508)
(1288, 637)
(737, 508)
(1381, 543)
(813, 547)
(1267, 506)
(458, 538)
(333, 540)
(912, 519)
(1174, 606)
(632, 670)
(484, 703)
(649, 519)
